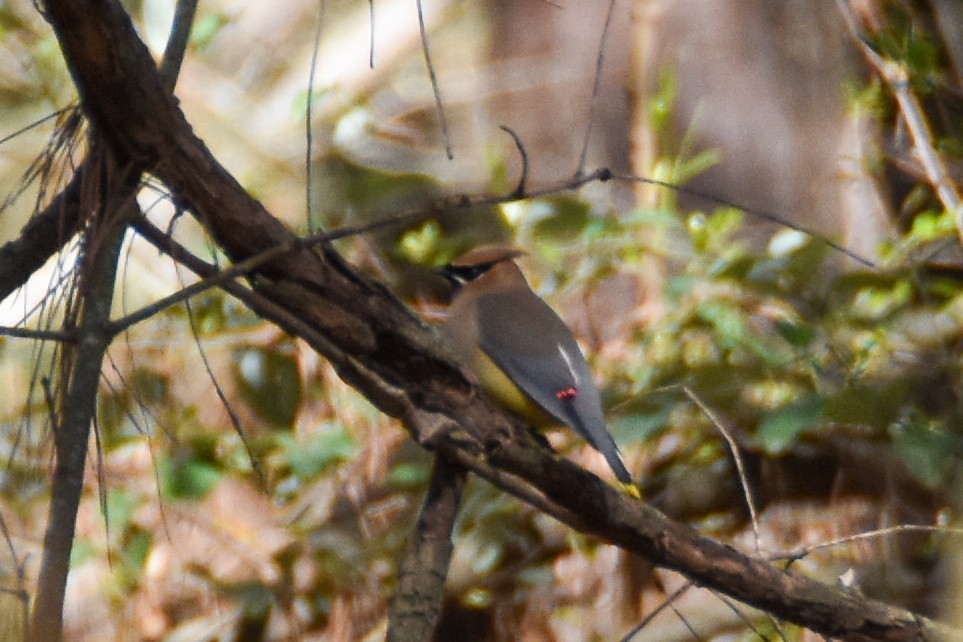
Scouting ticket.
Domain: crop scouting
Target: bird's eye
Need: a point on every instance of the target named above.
(459, 275)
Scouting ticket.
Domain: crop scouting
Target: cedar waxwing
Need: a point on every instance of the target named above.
(522, 352)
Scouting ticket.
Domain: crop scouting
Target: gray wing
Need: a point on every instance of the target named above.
(537, 351)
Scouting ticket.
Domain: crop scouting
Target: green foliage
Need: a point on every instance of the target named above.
(906, 42)
(930, 450)
(268, 380)
(191, 470)
(412, 475)
(789, 350)
(418, 245)
(780, 429)
(207, 27)
(332, 445)
(500, 548)
(565, 220)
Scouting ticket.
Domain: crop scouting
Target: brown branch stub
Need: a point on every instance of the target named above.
(519, 191)
(424, 568)
(42, 236)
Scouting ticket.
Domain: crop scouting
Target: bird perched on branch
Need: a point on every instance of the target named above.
(522, 352)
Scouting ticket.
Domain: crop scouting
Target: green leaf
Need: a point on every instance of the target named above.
(206, 28)
(731, 325)
(420, 244)
(309, 458)
(929, 451)
(928, 226)
(638, 427)
(185, 477)
(409, 474)
(120, 508)
(798, 334)
(568, 218)
(269, 381)
(778, 432)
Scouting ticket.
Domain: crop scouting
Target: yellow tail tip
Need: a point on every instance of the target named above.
(633, 490)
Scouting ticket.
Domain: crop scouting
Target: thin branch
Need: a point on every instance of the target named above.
(258, 303)
(596, 87)
(180, 35)
(666, 603)
(308, 120)
(225, 402)
(736, 456)
(523, 179)
(745, 619)
(39, 335)
(19, 566)
(36, 123)
(371, 34)
(442, 119)
(762, 214)
(217, 278)
(867, 535)
(79, 407)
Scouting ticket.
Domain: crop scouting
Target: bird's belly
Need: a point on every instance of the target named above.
(497, 384)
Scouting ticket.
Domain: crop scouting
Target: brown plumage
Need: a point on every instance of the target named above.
(521, 351)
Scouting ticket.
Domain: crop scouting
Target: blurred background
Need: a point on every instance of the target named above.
(238, 490)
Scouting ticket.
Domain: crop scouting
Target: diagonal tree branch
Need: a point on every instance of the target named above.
(42, 237)
(380, 348)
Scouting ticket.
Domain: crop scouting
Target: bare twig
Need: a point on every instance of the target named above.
(666, 603)
(180, 35)
(236, 424)
(371, 33)
(523, 179)
(596, 87)
(736, 456)
(38, 335)
(439, 105)
(868, 535)
(309, 121)
(762, 214)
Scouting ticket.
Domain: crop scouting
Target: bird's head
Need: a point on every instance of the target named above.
(476, 263)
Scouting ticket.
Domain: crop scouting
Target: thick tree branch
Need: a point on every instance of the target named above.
(105, 187)
(381, 349)
(72, 432)
(42, 237)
